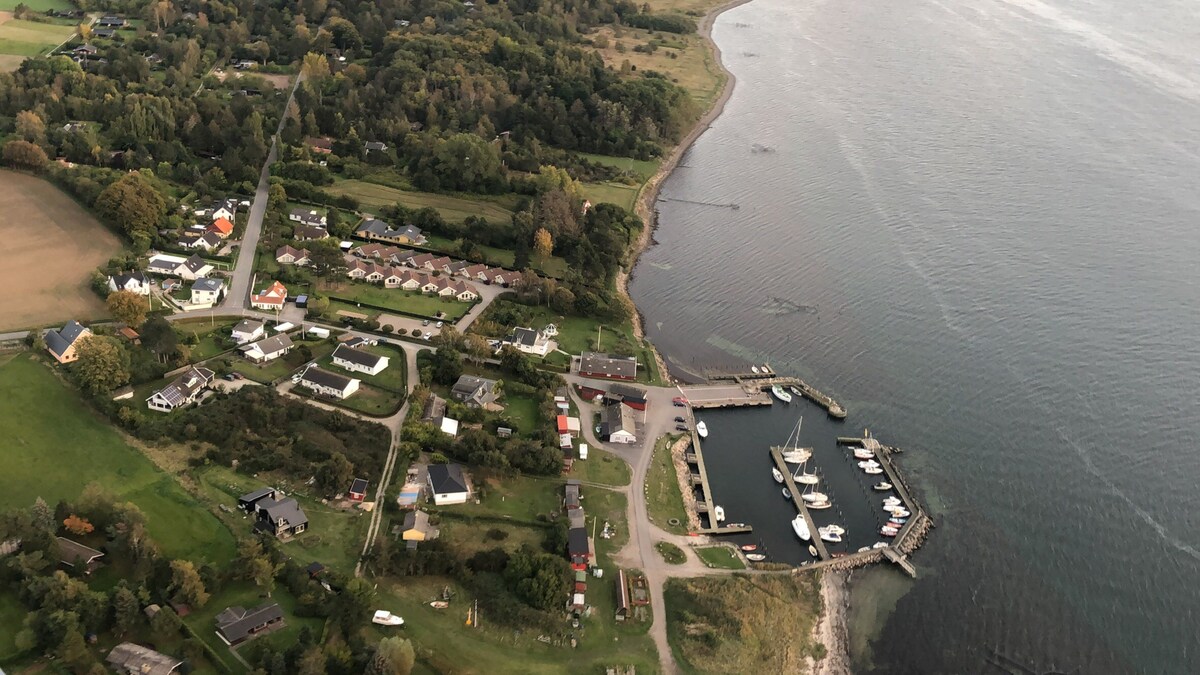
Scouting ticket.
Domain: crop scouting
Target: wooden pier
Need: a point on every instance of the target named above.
(742, 529)
(699, 479)
(883, 454)
(891, 554)
(798, 501)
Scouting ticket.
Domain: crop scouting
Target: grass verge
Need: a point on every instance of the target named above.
(664, 502)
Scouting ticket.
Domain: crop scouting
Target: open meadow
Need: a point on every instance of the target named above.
(453, 209)
(51, 246)
(20, 39)
(55, 446)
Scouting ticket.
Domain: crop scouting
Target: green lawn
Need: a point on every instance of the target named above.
(671, 553)
(721, 557)
(36, 5)
(203, 620)
(643, 168)
(663, 498)
(12, 614)
(522, 498)
(283, 366)
(522, 411)
(55, 446)
(212, 342)
(611, 193)
(31, 38)
(602, 466)
(367, 400)
(412, 302)
(453, 208)
(334, 538)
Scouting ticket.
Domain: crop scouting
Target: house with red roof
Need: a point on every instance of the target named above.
(270, 298)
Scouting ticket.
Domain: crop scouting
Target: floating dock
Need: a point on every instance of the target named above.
(699, 479)
(766, 380)
(798, 501)
(884, 454)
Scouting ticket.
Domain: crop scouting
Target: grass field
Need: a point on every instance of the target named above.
(207, 331)
(643, 168)
(692, 67)
(55, 446)
(721, 624)
(663, 499)
(603, 467)
(43, 224)
(35, 5)
(453, 209)
(671, 553)
(29, 38)
(612, 193)
(721, 557)
(413, 302)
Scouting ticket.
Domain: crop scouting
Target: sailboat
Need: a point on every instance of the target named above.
(791, 450)
(776, 475)
(819, 506)
(805, 478)
(781, 394)
(702, 429)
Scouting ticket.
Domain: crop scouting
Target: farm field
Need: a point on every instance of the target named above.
(20, 39)
(454, 209)
(43, 224)
(35, 5)
(56, 446)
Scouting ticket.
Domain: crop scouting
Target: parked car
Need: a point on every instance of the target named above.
(679, 401)
(681, 427)
(238, 376)
(679, 419)
(230, 377)
(425, 322)
(440, 324)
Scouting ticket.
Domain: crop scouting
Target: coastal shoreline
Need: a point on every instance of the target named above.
(830, 629)
(644, 207)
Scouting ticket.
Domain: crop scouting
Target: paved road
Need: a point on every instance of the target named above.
(238, 295)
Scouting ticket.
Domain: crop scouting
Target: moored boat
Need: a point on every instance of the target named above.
(800, 527)
(892, 501)
(812, 550)
(812, 497)
(900, 513)
(702, 429)
(836, 528)
(882, 486)
(749, 547)
(756, 557)
(888, 531)
(880, 544)
(820, 506)
(863, 453)
(780, 394)
(787, 494)
(735, 524)
(864, 549)
(796, 391)
(719, 513)
(796, 455)
(775, 473)
(828, 535)
(873, 470)
(868, 464)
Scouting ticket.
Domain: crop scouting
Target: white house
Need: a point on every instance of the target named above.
(529, 341)
(207, 291)
(271, 298)
(164, 264)
(134, 282)
(182, 391)
(326, 383)
(288, 255)
(448, 484)
(268, 349)
(206, 241)
(247, 330)
(307, 217)
(224, 208)
(618, 424)
(359, 361)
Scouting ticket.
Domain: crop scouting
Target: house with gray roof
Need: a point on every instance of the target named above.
(62, 343)
(134, 282)
(359, 360)
(377, 230)
(608, 366)
(183, 390)
(476, 392)
(236, 625)
(307, 217)
(529, 341)
(131, 659)
(448, 484)
(282, 518)
(325, 383)
(207, 291)
(74, 554)
(247, 330)
(268, 349)
(618, 424)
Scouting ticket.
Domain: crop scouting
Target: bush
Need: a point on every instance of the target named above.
(402, 331)
(496, 534)
(387, 328)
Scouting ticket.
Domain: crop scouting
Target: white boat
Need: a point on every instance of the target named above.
(835, 528)
(864, 549)
(900, 513)
(787, 494)
(754, 369)
(776, 475)
(797, 455)
(819, 506)
(812, 550)
(812, 497)
(863, 453)
(800, 527)
(781, 394)
(892, 501)
(826, 535)
(756, 557)
(868, 464)
(806, 478)
(882, 486)
(872, 471)
(719, 513)
(386, 618)
(889, 531)
(702, 429)
(880, 544)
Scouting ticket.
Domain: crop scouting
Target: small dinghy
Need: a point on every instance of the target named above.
(749, 547)
(439, 604)
(787, 494)
(812, 550)
(756, 557)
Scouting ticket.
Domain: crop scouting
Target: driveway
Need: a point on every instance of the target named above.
(238, 295)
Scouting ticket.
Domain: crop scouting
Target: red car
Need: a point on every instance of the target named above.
(679, 401)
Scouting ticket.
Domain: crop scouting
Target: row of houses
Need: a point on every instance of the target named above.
(409, 280)
(580, 548)
(434, 263)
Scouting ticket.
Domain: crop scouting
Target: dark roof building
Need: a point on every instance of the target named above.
(247, 501)
(448, 483)
(60, 342)
(134, 659)
(281, 518)
(73, 553)
(235, 625)
(609, 366)
(358, 489)
(474, 391)
(373, 228)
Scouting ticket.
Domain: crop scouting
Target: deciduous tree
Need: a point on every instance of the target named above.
(133, 203)
(102, 365)
(30, 126)
(393, 656)
(127, 307)
(24, 155)
(77, 526)
(186, 585)
(543, 243)
(334, 474)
